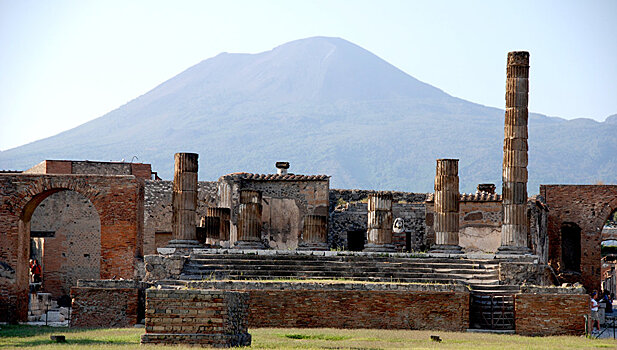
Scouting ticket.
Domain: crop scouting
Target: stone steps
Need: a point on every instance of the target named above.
(364, 267)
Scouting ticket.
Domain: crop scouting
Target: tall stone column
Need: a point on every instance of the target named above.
(314, 233)
(446, 207)
(379, 224)
(249, 221)
(514, 228)
(184, 202)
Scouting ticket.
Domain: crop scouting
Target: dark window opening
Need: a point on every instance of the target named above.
(571, 246)
(355, 240)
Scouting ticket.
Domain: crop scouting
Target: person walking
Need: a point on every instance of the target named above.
(595, 318)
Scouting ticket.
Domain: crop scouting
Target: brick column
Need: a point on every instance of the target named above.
(314, 233)
(446, 207)
(514, 228)
(184, 202)
(249, 221)
(379, 234)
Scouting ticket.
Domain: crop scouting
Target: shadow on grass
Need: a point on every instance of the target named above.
(40, 342)
(8, 331)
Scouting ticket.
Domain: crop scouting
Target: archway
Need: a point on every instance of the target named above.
(65, 232)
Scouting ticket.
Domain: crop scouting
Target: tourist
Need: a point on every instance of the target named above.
(35, 270)
(595, 318)
(606, 299)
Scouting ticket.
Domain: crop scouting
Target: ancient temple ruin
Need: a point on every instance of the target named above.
(436, 259)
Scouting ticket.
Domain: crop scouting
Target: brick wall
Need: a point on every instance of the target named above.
(205, 317)
(352, 305)
(104, 307)
(447, 311)
(74, 250)
(587, 206)
(551, 314)
(117, 200)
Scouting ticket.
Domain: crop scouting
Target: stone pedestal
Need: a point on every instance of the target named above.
(446, 207)
(515, 222)
(379, 233)
(184, 202)
(249, 221)
(314, 233)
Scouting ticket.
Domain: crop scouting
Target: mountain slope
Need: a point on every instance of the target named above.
(327, 106)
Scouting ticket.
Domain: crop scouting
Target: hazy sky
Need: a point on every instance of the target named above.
(63, 63)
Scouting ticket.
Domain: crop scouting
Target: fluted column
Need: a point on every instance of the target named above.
(515, 224)
(446, 207)
(379, 234)
(314, 233)
(184, 201)
(249, 221)
(224, 215)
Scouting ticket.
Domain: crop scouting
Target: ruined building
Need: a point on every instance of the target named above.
(91, 224)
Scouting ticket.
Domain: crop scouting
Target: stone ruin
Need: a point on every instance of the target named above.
(215, 252)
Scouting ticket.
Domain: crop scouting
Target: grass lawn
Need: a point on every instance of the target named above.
(25, 337)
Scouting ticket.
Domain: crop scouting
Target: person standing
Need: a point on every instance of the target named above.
(595, 318)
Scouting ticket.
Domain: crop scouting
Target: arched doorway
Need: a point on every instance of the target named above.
(65, 237)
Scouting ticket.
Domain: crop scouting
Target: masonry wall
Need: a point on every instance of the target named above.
(117, 200)
(286, 199)
(479, 223)
(158, 210)
(348, 211)
(551, 314)
(104, 307)
(196, 317)
(587, 206)
(73, 251)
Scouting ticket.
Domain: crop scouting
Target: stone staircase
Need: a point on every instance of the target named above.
(481, 275)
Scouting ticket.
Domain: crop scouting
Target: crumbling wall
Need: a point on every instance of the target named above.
(94, 307)
(587, 206)
(158, 210)
(550, 311)
(196, 317)
(349, 212)
(286, 200)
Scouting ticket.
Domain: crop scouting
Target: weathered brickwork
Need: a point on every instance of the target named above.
(73, 251)
(588, 207)
(139, 170)
(550, 314)
(117, 200)
(196, 317)
(104, 307)
(349, 212)
(359, 309)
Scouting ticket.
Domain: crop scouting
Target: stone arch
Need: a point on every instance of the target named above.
(117, 199)
(70, 245)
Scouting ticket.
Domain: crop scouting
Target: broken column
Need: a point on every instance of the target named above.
(224, 215)
(514, 227)
(379, 234)
(184, 202)
(314, 233)
(446, 207)
(249, 221)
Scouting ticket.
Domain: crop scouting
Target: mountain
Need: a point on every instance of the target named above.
(328, 106)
